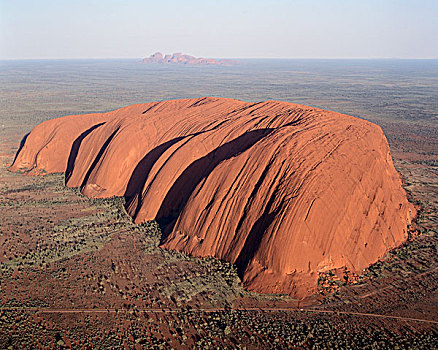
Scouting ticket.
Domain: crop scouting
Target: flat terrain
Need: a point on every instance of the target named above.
(77, 272)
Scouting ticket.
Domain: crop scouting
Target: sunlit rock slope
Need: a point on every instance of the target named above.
(285, 191)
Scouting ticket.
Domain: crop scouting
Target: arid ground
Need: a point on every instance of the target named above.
(76, 272)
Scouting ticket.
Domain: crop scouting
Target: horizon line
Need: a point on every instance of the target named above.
(223, 58)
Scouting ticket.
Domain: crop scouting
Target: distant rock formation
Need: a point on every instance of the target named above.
(284, 191)
(179, 58)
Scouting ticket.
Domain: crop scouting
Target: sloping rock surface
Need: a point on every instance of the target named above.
(285, 191)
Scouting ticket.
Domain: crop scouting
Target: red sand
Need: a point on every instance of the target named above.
(285, 191)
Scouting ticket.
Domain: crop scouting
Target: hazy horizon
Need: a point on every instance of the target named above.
(230, 58)
(294, 29)
(243, 59)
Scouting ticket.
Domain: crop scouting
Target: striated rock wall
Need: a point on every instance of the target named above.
(285, 191)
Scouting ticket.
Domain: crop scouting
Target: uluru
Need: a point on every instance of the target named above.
(282, 190)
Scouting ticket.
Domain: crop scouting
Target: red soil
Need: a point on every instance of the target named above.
(285, 191)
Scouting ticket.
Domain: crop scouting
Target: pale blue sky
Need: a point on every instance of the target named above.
(219, 28)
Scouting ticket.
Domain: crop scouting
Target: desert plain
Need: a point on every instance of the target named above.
(78, 272)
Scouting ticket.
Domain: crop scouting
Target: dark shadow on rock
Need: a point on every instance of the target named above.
(179, 194)
(134, 190)
(135, 187)
(258, 229)
(99, 155)
(294, 122)
(22, 142)
(75, 149)
(255, 237)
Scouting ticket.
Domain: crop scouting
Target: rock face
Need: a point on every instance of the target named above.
(285, 191)
(179, 58)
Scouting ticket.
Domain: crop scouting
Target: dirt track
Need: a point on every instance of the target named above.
(159, 310)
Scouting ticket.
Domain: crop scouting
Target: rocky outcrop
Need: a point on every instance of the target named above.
(285, 191)
(182, 59)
